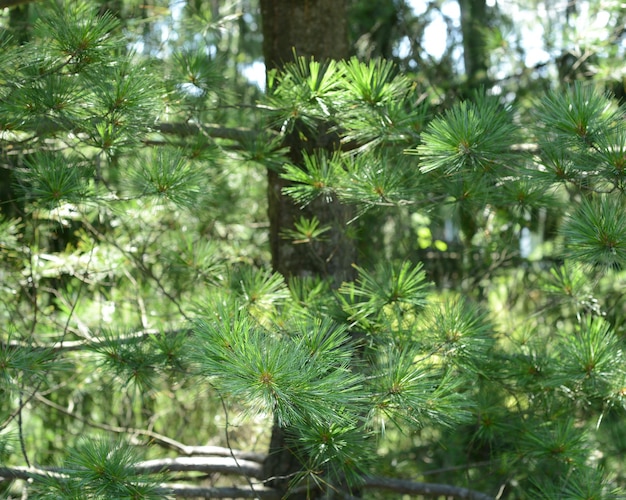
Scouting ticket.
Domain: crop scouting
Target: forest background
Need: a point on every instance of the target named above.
(383, 272)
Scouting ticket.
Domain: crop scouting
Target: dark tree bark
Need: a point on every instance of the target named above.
(316, 28)
(310, 28)
(12, 3)
(473, 21)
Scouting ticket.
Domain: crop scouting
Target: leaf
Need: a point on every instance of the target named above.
(272, 372)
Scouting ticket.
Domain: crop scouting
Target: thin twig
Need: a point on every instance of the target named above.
(21, 430)
(226, 424)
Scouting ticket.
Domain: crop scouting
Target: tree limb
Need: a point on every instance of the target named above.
(207, 465)
(187, 450)
(185, 491)
(227, 465)
(186, 129)
(223, 465)
(19, 472)
(426, 489)
(242, 135)
(78, 345)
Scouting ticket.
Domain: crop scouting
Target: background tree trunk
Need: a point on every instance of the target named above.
(316, 28)
(473, 21)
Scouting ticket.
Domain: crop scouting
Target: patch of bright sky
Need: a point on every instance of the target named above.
(435, 38)
(531, 32)
(435, 34)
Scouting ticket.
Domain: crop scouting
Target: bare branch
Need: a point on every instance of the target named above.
(206, 465)
(186, 129)
(228, 465)
(183, 491)
(190, 451)
(19, 472)
(78, 345)
(223, 465)
(220, 451)
(240, 135)
(426, 489)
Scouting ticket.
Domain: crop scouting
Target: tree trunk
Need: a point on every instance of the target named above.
(316, 28)
(473, 21)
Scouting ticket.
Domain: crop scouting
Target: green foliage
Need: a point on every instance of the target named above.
(276, 373)
(332, 454)
(373, 82)
(587, 483)
(306, 231)
(78, 37)
(302, 93)
(460, 333)
(408, 391)
(390, 289)
(595, 235)
(100, 469)
(591, 362)
(316, 179)
(21, 362)
(471, 136)
(136, 296)
(579, 117)
(168, 175)
(49, 181)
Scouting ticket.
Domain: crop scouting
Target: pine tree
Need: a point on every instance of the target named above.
(141, 325)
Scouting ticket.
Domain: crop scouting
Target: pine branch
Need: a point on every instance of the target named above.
(178, 129)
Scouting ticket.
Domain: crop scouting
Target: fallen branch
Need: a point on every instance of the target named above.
(206, 465)
(184, 491)
(20, 472)
(79, 345)
(227, 465)
(183, 449)
(222, 465)
(426, 489)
